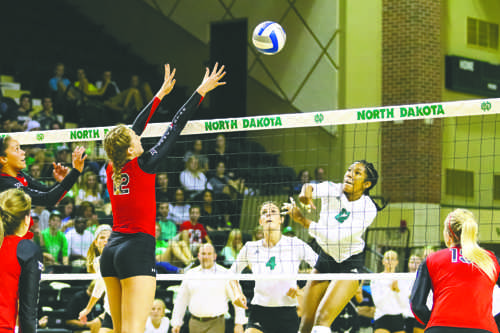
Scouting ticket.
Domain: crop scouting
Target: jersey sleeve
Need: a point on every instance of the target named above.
(51, 196)
(36, 185)
(419, 292)
(143, 118)
(30, 260)
(150, 160)
(325, 190)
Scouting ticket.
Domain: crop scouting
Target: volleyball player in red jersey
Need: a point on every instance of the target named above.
(128, 260)
(21, 265)
(462, 278)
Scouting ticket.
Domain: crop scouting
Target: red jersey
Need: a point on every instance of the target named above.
(134, 209)
(197, 232)
(462, 292)
(20, 275)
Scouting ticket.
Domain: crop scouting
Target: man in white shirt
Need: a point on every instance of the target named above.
(207, 299)
(79, 240)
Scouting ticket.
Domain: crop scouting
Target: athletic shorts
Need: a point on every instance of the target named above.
(270, 319)
(442, 329)
(410, 323)
(128, 255)
(107, 322)
(326, 264)
(392, 323)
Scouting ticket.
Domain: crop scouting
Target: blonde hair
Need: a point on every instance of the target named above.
(84, 185)
(116, 143)
(158, 300)
(462, 227)
(93, 251)
(15, 205)
(230, 240)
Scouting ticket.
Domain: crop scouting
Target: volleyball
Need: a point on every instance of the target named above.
(269, 37)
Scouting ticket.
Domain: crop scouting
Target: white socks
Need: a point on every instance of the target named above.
(321, 329)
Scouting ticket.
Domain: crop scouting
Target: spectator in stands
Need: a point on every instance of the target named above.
(67, 209)
(131, 100)
(90, 190)
(197, 151)
(75, 304)
(220, 153)
(87, 210)
(24, 110)
(56, 244)
(221, 183)
(43, 216)
(58, 84)
(214, 215)
(168, 228)
(88, 88)
(173, 251)
(232, 248)
(33, 125)
(157, 322)
(192, 179)
(46, 117)
(389, 298)
(112, 89)
(192, 232)
(179, 211)
(162, 189)
(366, 309)
(302, 178)
(35, 171)
(319, 175)
(258, 233)
(79, 241)
(228, 192)
(35, 229)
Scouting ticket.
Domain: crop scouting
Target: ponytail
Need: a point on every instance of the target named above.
(462, 228)
(116, 143)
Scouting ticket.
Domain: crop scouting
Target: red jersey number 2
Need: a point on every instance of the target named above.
(125, 179)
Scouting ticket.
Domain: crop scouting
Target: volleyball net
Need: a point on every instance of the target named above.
(431, 158)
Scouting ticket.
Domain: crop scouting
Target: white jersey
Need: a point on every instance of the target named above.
(283, 258)
(164, 325)
(100, 286)
(388, 301)
(342, 223)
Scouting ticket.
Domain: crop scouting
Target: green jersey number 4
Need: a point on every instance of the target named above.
(271, 263)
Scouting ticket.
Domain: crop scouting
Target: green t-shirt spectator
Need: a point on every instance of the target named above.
(161, 246)
(168, 229)
(55, 245)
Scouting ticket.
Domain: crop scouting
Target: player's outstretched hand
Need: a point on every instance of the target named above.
(295, 213)
(305, 197)
(211, 80)
(59, 172)
(168, 83)
(79, 158)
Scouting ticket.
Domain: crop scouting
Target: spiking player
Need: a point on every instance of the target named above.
(346, 211)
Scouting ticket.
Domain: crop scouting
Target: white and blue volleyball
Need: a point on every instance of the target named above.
(269, 37)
